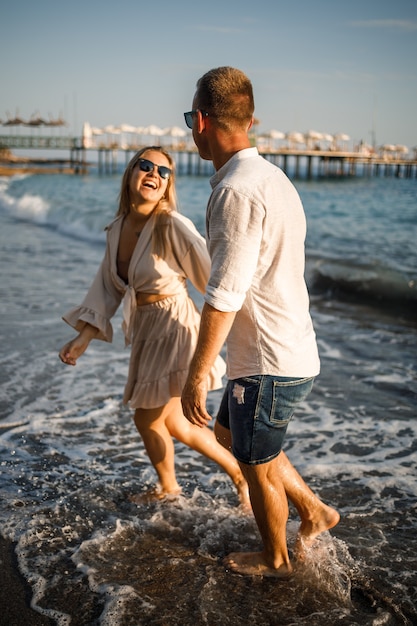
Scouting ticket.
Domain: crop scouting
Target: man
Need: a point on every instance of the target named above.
(257, 301)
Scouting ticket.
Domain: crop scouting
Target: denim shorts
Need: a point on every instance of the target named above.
(257, 411)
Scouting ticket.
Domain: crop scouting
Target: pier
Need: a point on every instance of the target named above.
(297, 163)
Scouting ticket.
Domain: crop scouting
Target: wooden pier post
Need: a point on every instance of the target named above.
(309, 167)
(114, 161)
(285, 165)
(297, 166)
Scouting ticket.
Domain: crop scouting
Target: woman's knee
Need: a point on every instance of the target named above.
(146, 419)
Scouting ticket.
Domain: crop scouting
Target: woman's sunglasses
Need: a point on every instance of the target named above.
(147, 166)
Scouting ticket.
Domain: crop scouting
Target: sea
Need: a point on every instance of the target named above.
(71, 459)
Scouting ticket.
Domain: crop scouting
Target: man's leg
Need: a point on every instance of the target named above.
(270, 508)
(316, 517)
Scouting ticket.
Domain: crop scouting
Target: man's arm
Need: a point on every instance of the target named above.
(214, 328)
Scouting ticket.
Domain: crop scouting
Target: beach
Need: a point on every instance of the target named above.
(15, 592)
(76, 548)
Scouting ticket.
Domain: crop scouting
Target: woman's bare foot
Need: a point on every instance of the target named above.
(254, 564)
(309, 530)
(154, 494)
(243, 495)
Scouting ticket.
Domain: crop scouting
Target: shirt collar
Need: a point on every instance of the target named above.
(231, 163)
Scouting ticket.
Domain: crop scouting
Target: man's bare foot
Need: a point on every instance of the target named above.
(254, 564)
(310, 529)
(154, 494)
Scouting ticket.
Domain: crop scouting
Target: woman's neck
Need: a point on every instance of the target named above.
(139, 215)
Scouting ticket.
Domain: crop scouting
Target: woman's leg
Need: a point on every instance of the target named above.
(203, 441)
(151, 425)
(223, 436)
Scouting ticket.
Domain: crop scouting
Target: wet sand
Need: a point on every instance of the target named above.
(15, 593)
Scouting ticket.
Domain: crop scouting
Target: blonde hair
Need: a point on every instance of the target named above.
(226, 94)
(162, 211)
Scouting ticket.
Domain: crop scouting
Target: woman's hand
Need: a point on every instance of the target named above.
(75, 348)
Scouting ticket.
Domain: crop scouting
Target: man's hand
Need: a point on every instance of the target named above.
(214, 328)
(193, 401)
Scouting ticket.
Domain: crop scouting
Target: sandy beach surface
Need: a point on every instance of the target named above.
(15, 593)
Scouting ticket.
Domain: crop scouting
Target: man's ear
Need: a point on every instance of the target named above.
(201, 122)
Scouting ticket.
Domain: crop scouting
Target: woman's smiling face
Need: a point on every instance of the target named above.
(149, 187)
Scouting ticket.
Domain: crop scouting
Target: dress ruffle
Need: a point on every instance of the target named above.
(80, 315)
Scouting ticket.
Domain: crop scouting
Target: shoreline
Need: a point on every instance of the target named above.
(14, 171)
(11, 165)
(15, 592)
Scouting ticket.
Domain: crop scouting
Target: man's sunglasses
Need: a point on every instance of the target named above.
(190, 114)
(147, 166)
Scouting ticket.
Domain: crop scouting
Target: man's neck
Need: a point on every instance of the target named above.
(226, 149)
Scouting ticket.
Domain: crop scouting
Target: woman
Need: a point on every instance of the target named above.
(151, 251)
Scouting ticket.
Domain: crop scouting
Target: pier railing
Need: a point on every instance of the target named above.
(295, 162)
(36, 142)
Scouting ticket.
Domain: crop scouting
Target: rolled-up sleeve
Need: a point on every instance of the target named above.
(234, 231)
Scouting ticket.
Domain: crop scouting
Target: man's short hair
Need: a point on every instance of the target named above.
(226, 94)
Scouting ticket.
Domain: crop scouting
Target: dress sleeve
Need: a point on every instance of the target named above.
(196, 264)
(99, 305)
(190, 251)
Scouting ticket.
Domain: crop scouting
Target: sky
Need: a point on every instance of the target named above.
(325, 65)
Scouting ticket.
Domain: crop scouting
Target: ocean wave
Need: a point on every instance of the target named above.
(369, 283)
(35, 209)
(28, 207)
